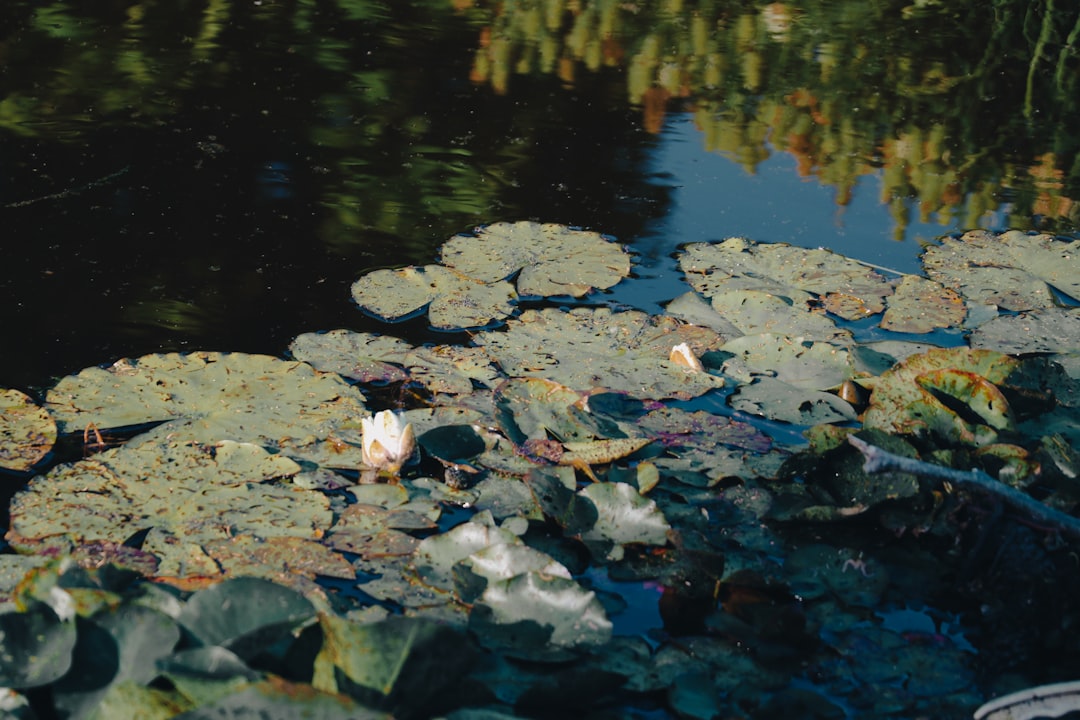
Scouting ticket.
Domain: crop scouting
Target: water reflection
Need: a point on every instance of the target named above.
(216, 178)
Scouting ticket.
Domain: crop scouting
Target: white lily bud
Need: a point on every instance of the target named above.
(388, 441)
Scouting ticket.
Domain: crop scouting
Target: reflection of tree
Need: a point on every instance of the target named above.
(957, 104)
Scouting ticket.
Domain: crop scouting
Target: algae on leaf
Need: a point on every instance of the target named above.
(552, 259)
(208, 396)
(591, 348)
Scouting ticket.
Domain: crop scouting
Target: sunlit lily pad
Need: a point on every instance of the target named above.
(588, 348)
(921, 306)
(900, 404)
(756, 312)
(794, 360)
(1052, 330)
(1013, 270)
(206, 397)
(27, 432)
(797, 274)
(454, 300)
(553, 259)
(185, 494)
(361, 356)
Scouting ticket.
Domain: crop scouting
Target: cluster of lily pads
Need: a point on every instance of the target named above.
(546, 479)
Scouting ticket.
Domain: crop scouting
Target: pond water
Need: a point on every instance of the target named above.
(216, 176)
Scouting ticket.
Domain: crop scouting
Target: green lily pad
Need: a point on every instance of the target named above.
(552, 259)
(244, 615)
(437, 555)
(501, 562)
(849, 289)
(756, 312)
(1048, 330)
(921, 306)
(115, 646)
(900, 404)
(37, 647)
(798, 362)
(27, 432)
(185, 494)
(623, 517)
(278, 698)
(778, 400)
(1013, 270)
(690, 308)
(454, 300)
(206, 397)
(589, 348)
(365, 357)
(452, 370)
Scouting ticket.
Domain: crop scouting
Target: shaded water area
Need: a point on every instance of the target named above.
(214, 175)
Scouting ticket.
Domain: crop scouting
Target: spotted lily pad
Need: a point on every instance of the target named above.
(794, 360)
(1013, 270)
(778, 400)
(183, 495)
(27, 432)
(552, 259)
(849, 289)
(208, 396)
(921, 306)
(1050, 330)
(756, 312)
(454, 300)
(589, 348)
(361, 356)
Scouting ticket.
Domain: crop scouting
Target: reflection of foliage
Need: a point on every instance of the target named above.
(806, 78)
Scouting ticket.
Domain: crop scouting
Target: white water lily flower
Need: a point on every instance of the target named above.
(388, 441)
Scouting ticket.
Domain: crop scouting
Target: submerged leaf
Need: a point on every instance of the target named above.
(553, 259)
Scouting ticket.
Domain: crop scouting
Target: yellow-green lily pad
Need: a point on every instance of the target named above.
(27, 432)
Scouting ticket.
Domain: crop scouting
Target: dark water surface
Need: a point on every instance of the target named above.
(214, 176)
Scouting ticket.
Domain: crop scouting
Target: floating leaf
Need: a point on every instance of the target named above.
(37, 647)
(278, 698)
(206, 397)
(897, 388)
(553, 259)
(1013, 270)
(27, 432)
(798, 362)
(567, 615)
(365, 357)
(623, 517)
(783, 270)
(778, 400)
(921, 306)
(756, 312)
(589, 348)
(184, 494)
(1050, 330)
(454, 300)
(971, 391)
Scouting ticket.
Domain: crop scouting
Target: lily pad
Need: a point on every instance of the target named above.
(756, 312)
(794, 360)
(206, 396)
(589, 348)
(552, 259)
(365, 357)
(778, 400)
(27, 432)
(1013, 270)
(184, 495)
(850, 289)
(37, 647)
(454, 300)
(623, 517)
(921, 306)
(1049, 330)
